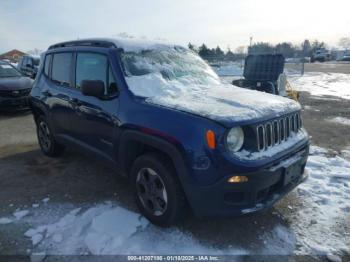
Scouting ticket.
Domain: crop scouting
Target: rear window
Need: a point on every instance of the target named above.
(61, 68)
(36, 61)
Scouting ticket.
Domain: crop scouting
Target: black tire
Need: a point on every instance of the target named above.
(47, 142)
(168, 212)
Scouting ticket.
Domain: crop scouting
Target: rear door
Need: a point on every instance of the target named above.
(95, 119)
(57, 93)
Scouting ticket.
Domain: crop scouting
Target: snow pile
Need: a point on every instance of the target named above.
(18, 215)
(5, 220)
(108, 229)
(326, 196)
(340, 120)
(323, 84)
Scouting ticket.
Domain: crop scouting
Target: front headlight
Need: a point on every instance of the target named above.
(235, 139)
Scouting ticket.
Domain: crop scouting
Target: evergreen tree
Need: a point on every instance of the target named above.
(191, 47)
(219, 52)
(203, 51)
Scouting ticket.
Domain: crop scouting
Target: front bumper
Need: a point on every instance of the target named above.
(14, 103)
(264, 188)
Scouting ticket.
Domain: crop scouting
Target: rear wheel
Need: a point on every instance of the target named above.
(47, 142)
(158, 192)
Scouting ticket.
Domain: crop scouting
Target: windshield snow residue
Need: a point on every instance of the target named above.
(178, 78)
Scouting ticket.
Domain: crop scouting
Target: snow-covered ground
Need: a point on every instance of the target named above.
(340, 120)
(326, 197)
(229, 69)
(323, 84)
(108, 228)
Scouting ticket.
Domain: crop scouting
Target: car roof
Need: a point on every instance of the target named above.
(127, 44)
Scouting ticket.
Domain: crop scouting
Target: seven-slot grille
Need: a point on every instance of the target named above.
(277, 131)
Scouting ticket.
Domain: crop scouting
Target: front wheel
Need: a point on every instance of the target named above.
(158, 192)
(47, 142)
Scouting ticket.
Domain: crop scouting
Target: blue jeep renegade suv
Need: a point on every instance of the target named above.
(161, 116)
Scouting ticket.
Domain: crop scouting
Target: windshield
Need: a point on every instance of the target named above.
(8, 71)
(166, 69)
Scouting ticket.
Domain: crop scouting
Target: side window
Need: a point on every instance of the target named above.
(112, 85)
(91, 66)
(47, 65)
(61, 65)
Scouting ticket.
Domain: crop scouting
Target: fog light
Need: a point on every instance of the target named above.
(237, 179)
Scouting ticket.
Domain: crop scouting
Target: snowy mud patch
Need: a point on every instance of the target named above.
(109, 229)
(320, 223)
(317, 223)
(322, 84)
(340, 120)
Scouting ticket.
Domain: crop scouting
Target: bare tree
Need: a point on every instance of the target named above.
(344, 42)
(240, 50)
(125, 35)
(35, 52)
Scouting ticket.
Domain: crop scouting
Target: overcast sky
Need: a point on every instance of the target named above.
(26, 24)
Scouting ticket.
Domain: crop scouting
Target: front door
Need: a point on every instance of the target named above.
(95, 120)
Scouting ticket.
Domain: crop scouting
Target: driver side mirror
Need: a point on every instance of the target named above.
(94, 88)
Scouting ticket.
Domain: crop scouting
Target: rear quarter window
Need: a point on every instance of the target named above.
(47, 65)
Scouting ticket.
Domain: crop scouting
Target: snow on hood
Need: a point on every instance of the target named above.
(219, 102)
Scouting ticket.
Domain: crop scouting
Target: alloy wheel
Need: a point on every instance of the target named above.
(151, 191)
(44, 136)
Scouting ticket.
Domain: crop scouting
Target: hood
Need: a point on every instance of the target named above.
(225, 103)
(15, 83)
(229, 105)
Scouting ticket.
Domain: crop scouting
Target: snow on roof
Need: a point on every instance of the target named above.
(135, 45)
(128, 44)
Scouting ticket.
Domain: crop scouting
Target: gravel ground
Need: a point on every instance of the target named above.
(327, 134)
(27, 177)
